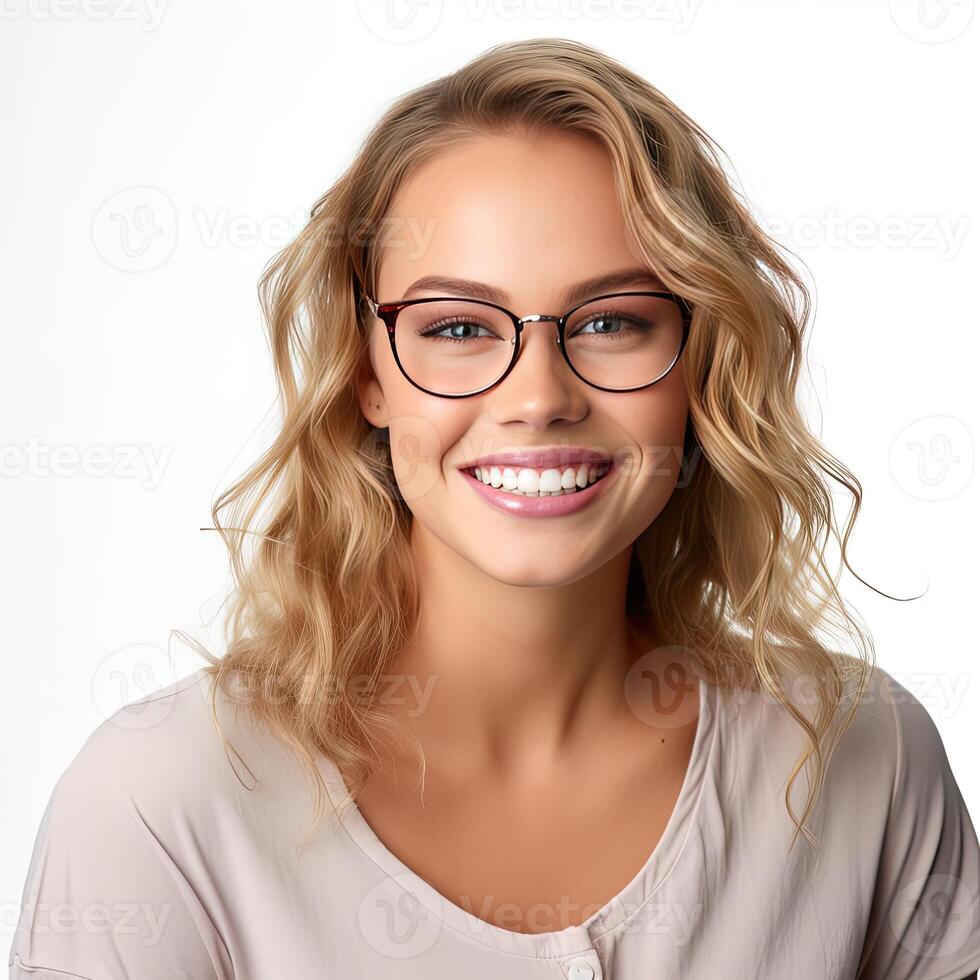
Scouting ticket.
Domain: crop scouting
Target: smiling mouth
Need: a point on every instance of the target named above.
(548, 483)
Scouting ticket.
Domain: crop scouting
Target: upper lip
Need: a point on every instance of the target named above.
(540, 459)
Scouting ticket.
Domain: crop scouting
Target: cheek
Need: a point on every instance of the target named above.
(415, 435)
(424, 431)
(664, 457)
(417, 446)
(653, 424)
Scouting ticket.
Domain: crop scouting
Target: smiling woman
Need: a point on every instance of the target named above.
(544, 516)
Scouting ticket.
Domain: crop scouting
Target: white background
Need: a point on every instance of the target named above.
(850, 125)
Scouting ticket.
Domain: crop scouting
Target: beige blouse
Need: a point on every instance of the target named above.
(153, 860)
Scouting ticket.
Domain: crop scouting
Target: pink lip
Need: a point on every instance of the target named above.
(516, 506)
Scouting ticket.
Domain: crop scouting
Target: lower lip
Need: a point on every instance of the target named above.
(567, 503)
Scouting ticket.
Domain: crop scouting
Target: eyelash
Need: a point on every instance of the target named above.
(442, 324)
(433, 330)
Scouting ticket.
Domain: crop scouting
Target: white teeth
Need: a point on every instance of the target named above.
(527, 482)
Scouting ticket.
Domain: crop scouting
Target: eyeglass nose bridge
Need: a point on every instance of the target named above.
(536, 318)
(519, 322)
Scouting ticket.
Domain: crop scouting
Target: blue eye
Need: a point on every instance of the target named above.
(627, 324)
(437, 331)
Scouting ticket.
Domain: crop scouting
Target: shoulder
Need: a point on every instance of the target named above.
(920, 753)
(117, 847)
(889, 724)
(886, 762)
(925, 917)
(897, 731)
(178, 764)
(182, 752)
(151, 771)
(763, 739)
(164, 800)
(897, 835)
(164, 742)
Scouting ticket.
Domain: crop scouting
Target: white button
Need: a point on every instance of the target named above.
(580, 970)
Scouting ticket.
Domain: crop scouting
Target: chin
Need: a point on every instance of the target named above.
(535, 567)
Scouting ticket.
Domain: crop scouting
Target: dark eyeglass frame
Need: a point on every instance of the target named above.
(388, 312)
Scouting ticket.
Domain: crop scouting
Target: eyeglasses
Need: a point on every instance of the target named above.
(455, 348)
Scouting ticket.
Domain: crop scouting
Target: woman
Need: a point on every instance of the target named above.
(527, 600)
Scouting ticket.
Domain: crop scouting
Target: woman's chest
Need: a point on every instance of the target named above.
(725, 901)
(530, 858)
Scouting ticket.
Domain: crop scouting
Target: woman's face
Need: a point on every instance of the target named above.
(533, 218)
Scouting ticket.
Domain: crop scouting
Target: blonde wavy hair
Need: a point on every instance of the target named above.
(733, 569)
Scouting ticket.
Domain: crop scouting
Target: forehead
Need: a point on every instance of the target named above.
(532, 215)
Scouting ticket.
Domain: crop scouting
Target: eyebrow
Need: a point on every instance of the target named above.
(610, 283)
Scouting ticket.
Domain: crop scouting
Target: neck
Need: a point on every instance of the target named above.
(512, 677)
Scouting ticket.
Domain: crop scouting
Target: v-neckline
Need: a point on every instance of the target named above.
(575, 938)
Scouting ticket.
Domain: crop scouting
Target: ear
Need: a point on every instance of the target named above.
(370, 397)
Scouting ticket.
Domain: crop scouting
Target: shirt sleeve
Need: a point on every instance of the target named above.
(925, 916)
(104, 899)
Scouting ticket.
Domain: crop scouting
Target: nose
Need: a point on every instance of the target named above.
(540, 387)
(542, 335)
